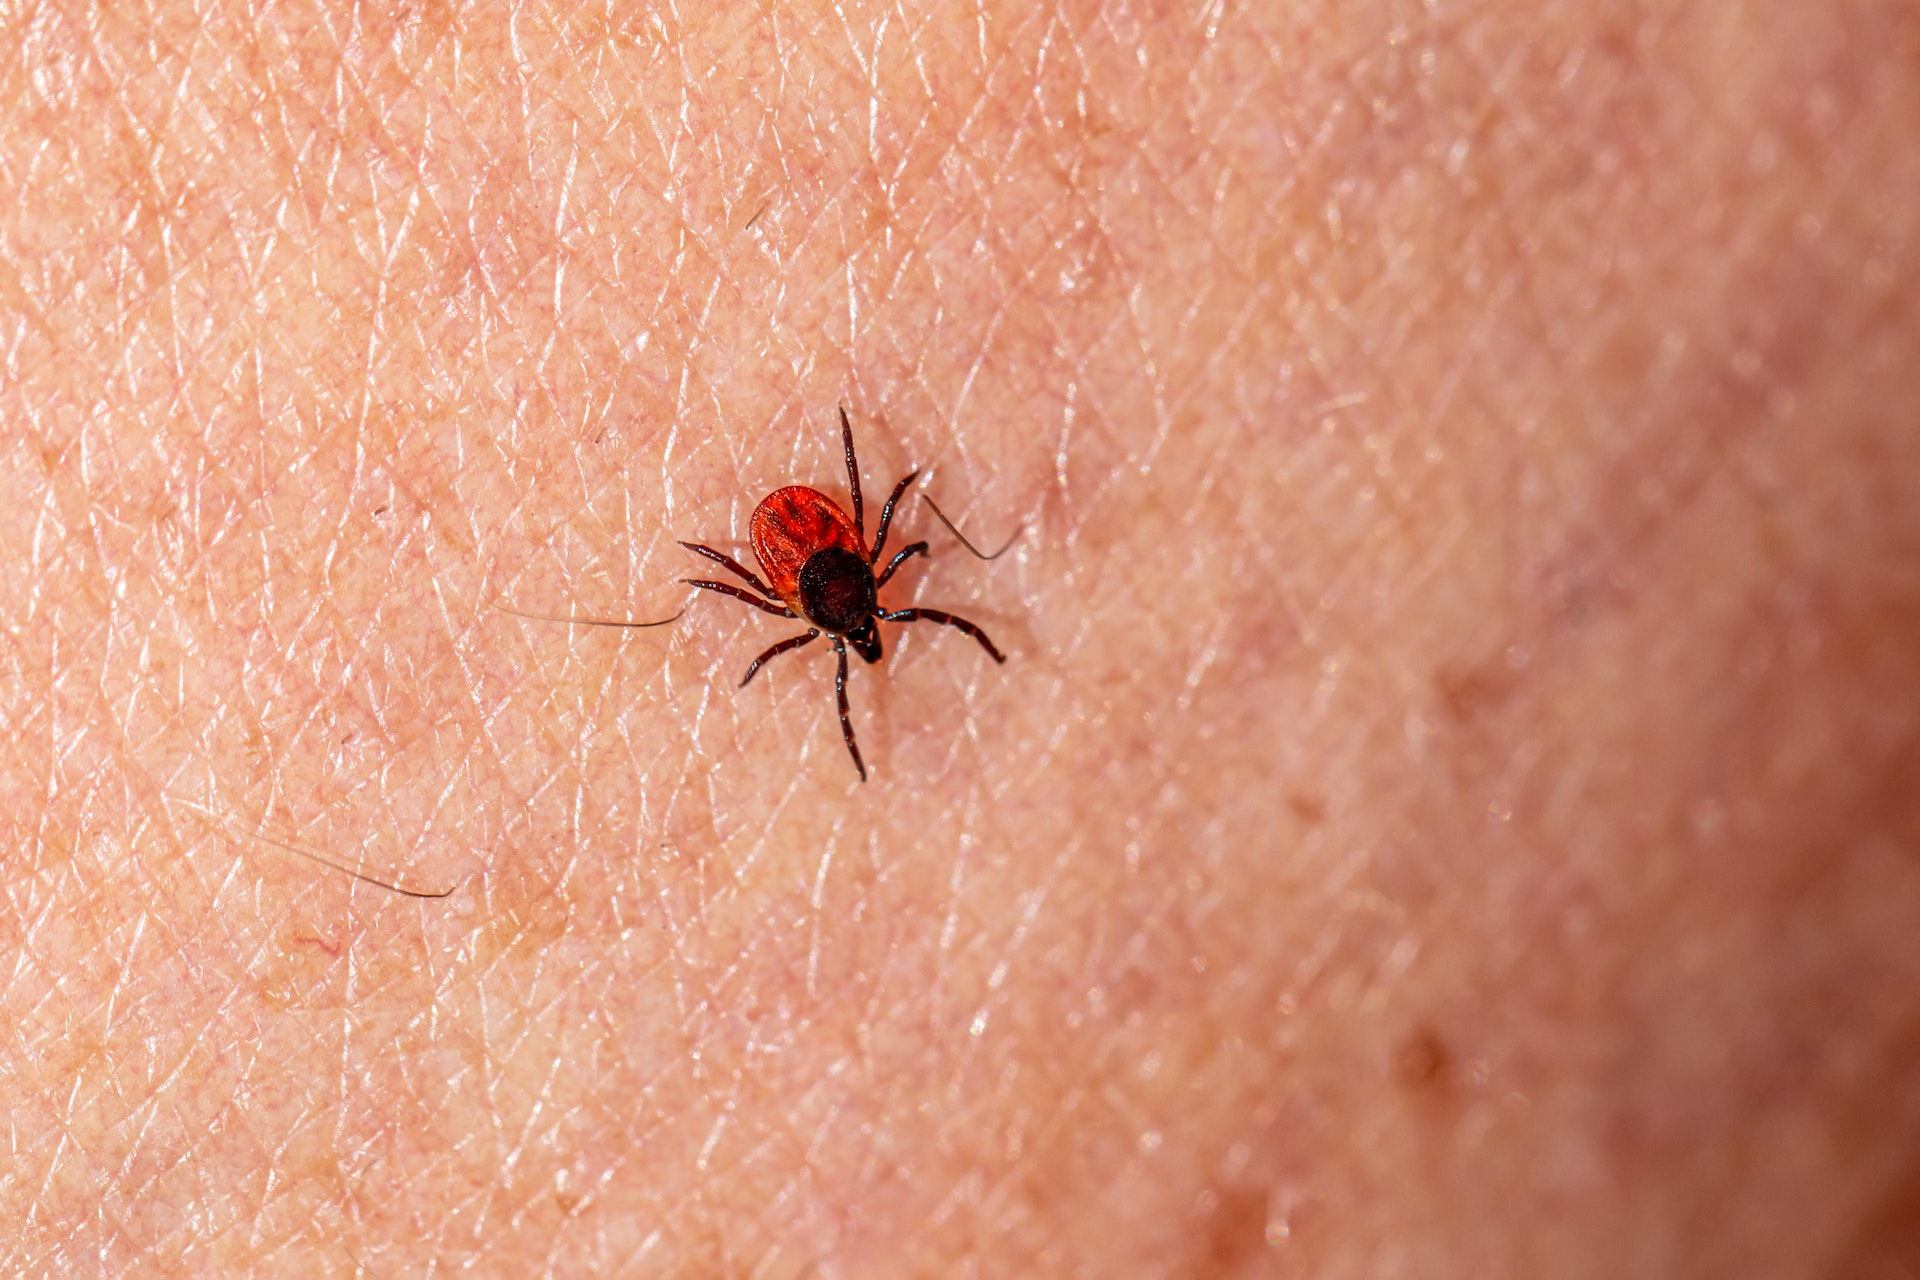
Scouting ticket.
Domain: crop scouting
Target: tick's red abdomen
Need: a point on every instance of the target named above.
(791, 524)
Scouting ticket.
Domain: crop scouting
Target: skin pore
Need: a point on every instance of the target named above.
(1452, 807)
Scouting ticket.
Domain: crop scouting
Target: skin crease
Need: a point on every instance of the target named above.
(1450, 808)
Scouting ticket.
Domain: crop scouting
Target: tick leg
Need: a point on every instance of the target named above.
(846, 723)
(726, 589)
(945, 619)
(775, 652)
(853, 483)
(886, 514)
(911, 549)
(728, 562)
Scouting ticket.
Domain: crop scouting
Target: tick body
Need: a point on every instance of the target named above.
(820, 571)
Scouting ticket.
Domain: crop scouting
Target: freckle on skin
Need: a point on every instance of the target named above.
(1235, 1231)
(1309, 809)
(1468, 692)
(1423, 1060)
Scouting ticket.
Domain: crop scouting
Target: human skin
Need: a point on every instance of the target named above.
(1452, 806)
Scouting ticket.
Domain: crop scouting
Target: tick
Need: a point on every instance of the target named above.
(821, 572)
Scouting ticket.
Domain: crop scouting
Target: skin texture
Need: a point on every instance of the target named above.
(1453, 804)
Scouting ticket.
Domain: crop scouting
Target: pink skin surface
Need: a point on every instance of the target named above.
(1452, 806)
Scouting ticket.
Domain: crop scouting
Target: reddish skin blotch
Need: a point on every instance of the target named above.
(820, 571)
